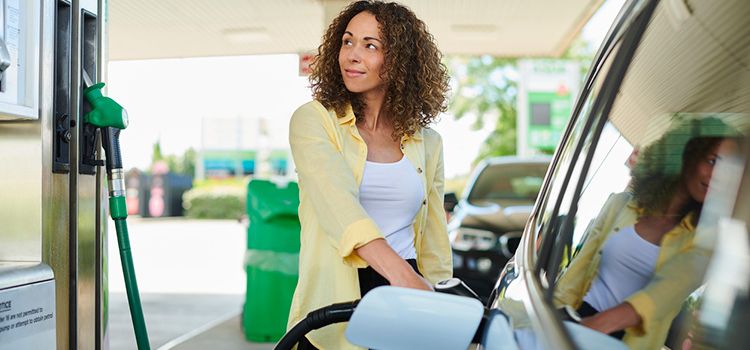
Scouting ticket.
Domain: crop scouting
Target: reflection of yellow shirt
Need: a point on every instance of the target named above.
(679, 271)
(330, 156)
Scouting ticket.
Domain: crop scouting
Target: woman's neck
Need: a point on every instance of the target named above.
(677, 204)
(374, 118)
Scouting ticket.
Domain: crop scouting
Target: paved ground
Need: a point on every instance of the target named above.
(191, 277)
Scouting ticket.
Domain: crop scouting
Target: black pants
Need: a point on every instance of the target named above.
(369, 279)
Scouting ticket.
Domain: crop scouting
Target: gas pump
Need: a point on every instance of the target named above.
(53, 280)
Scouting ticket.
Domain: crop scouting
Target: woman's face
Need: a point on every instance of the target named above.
(698, 180)
(361, 56)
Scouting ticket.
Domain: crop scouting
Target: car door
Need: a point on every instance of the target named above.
(520, 291)
(663, 64)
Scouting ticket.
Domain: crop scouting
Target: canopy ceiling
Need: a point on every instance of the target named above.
(148, 29)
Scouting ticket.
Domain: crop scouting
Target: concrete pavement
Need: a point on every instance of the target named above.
(192, 283)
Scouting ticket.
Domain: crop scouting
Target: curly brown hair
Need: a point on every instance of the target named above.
(416, 80)
(663, 165)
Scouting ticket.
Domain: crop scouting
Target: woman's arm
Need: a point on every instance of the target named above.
(615, 319)
(388, 264)
(328, 182)
(330, 185)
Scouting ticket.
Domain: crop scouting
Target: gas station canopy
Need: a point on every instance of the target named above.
(147, 29)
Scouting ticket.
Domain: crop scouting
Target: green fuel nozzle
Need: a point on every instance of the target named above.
(105, 111)
(111, 118)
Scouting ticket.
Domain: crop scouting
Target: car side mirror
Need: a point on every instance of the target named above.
(449, 201)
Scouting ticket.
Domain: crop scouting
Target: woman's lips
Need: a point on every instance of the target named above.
(351, 73)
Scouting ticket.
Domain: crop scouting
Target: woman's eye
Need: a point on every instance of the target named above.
(371, 46)
(347, 42)
(711, 161)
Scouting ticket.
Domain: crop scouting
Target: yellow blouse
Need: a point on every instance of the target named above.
(329, 155)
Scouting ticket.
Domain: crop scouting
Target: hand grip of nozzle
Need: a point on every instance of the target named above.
(111, 144)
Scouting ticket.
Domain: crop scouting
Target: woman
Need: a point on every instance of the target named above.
(640, 260)
(370, 171)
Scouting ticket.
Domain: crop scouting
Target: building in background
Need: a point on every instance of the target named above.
(241, 146)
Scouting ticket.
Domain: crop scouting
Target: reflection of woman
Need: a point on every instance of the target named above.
(639, 262)
(370, 171)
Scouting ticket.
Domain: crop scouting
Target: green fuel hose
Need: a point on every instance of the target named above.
(128, 271)
(111, 118)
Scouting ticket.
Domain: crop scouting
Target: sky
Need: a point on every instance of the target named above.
(185, 103)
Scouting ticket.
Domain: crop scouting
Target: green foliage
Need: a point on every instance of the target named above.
(487, 87)
(184, 164)
(582, 52)
(156, 154)
(215, 202)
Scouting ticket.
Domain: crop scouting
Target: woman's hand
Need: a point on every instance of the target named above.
(388, 264)
(615, 319)
(411, 279)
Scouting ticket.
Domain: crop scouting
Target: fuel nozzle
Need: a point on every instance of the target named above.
(104, 110)
(455, 286)
(110, 118)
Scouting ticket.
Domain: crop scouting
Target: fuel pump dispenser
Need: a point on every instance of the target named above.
(110, 118)
(54, 291)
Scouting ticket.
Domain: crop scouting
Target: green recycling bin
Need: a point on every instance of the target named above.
(271, 259)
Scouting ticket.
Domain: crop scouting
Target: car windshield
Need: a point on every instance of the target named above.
(508, 182)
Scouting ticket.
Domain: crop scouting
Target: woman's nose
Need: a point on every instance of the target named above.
(353, 54)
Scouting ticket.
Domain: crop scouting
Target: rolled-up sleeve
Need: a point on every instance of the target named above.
(435, 258)
(328, 182)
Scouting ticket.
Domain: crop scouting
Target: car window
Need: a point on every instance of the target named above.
(634, 233)
(548, 215)
(508, 182)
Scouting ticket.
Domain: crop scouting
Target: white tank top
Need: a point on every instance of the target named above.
(627, 264)
(391, 194)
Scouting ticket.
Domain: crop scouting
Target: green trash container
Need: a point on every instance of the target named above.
(271, 259)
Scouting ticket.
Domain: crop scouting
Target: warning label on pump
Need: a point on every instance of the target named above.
(23, 319)
(27, 316)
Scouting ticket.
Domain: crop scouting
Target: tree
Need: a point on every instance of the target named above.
(184, 164)
(487, 87)
(156, 154)
(187, 162)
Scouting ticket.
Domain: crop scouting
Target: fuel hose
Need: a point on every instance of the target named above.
(111, 118)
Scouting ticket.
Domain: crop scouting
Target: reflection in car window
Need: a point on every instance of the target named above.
(609, 171)
(640, 244)
(508, 182)
(637, 256)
